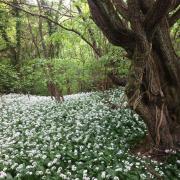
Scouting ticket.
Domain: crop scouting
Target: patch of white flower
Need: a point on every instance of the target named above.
(81, 138)
(2, 175)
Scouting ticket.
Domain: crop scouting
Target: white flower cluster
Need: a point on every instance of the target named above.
(81, 138)
(2, 175)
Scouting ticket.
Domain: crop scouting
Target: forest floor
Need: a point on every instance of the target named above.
(88, 136)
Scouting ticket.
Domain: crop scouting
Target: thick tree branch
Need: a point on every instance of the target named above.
(122, 8)
(135, 16)
(107, 19)
(155, 15)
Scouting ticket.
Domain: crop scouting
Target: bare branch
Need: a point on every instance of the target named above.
(155, 15)
(146, 5)
(135, 16)
(49, 8)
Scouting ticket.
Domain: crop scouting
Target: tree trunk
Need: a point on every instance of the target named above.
(18, 33)
(155, 99)
(153, 87)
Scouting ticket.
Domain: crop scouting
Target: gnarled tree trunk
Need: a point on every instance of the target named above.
(153, 88)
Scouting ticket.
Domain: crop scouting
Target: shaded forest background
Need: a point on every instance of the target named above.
(45, 43)
(49, 44)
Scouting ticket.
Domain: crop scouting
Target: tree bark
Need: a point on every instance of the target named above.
(18, 32)
(14, 48)
(33, 38)
(153, 87)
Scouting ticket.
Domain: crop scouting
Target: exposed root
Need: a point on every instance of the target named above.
(158, 124)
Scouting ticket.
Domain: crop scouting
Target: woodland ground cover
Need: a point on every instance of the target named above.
(81, 138)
